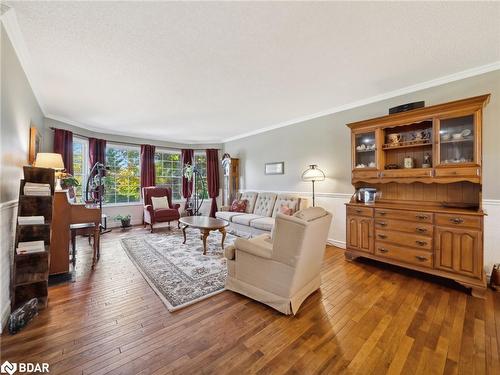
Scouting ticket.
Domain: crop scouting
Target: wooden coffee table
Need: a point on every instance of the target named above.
(206, 225)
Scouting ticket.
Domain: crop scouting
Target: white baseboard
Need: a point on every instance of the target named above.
(336, 243)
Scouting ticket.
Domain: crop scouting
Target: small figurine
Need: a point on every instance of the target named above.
(427, 161)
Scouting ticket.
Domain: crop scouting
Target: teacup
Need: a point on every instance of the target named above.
(457, 136)
(394, 138)
(445, 136)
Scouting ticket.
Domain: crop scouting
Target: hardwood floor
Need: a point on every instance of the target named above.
(368, 318)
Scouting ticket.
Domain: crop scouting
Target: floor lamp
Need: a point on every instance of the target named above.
(313, 174)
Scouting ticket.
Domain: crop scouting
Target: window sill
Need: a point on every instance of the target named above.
(124, 204)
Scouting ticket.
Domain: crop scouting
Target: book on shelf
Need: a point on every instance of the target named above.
(35, 189)
(30, 220)
(30, 247)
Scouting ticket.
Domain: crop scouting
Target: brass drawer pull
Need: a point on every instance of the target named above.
(421, 243)
(382, 236)
(421, 258)
(457, 220)
(422, 217)
(382, 223)
(382, 213)
(421, 230)
(383, 250)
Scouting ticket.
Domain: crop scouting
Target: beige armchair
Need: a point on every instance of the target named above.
(284, 270)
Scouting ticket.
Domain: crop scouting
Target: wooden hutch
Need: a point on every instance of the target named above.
(427, 216)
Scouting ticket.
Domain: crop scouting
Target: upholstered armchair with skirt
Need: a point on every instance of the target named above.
(284, 270)
(159, 215)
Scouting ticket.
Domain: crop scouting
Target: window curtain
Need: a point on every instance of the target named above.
(63, 144)
(213, 178)
(148, 172)
(187, 156)
(97, 151)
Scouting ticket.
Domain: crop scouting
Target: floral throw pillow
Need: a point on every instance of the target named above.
(285, 210)
(238, 206)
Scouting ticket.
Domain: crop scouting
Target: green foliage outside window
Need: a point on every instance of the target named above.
(122, 181)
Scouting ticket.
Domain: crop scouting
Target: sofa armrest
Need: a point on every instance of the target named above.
(229, 252)
(257, 247)
(224, 208)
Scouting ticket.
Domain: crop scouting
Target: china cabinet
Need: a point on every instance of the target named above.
(426, 165)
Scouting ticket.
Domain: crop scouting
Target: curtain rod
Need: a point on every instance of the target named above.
(130, 143)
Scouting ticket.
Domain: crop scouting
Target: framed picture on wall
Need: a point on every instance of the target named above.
(35, 144)
(275, 168)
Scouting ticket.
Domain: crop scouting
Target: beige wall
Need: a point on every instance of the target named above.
(19, 110)
(326, 141)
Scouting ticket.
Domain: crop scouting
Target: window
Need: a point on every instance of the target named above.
(80, 165)
(169, 171)
(122, 182)
(200, 162)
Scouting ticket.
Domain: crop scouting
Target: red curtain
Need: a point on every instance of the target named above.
(187, 156)
(63, 144)
(213, 178)
(148, 173)
(97, 151)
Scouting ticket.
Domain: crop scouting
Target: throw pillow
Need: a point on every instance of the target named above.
(285, 210)
(159, 202)
(238, 206)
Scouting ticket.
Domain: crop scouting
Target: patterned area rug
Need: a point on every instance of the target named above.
(179, 273)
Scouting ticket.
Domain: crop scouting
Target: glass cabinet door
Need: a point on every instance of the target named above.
(457, 140)
(364, 150)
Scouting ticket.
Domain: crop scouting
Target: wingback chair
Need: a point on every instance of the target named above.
(161, 215)
(284, 270)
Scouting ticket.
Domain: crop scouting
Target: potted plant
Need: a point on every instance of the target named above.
(124, 219)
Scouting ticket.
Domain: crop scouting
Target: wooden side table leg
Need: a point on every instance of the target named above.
(223, 232)
(206, 232)
(184, 233)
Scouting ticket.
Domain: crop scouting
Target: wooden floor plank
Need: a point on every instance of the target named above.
(367, 318)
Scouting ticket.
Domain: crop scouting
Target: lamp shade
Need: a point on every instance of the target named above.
(313, 173)
(49, 160)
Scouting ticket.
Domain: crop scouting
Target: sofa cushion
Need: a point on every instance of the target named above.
(166, 214)
(264, 223)
(226, 215)
(264, 204)
(251, 197)
(289, 200)
(311, 213)
(245, 219)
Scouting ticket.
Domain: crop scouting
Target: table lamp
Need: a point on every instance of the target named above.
(51, 160)
(313, 174)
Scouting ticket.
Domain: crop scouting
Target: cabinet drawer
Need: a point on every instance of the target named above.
(417, 257)
(405, 226)
(404, 239)
(458, 221)
(406, 173)
(459, 172)
(365, 174)
(421, 217)
(359, 211)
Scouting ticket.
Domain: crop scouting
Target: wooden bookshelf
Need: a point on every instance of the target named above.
(30, 272)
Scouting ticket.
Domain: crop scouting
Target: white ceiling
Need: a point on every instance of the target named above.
(203, 72)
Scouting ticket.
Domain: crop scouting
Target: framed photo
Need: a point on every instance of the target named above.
(35, 144)
(275, 168)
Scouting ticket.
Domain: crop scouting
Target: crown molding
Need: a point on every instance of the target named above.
(9, 21)
(377, 98)
(124, 134)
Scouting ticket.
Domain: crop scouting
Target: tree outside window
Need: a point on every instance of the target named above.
(169, 171)
(122, 181)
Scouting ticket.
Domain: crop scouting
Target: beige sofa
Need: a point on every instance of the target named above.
(281, 272)
(260, 213)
